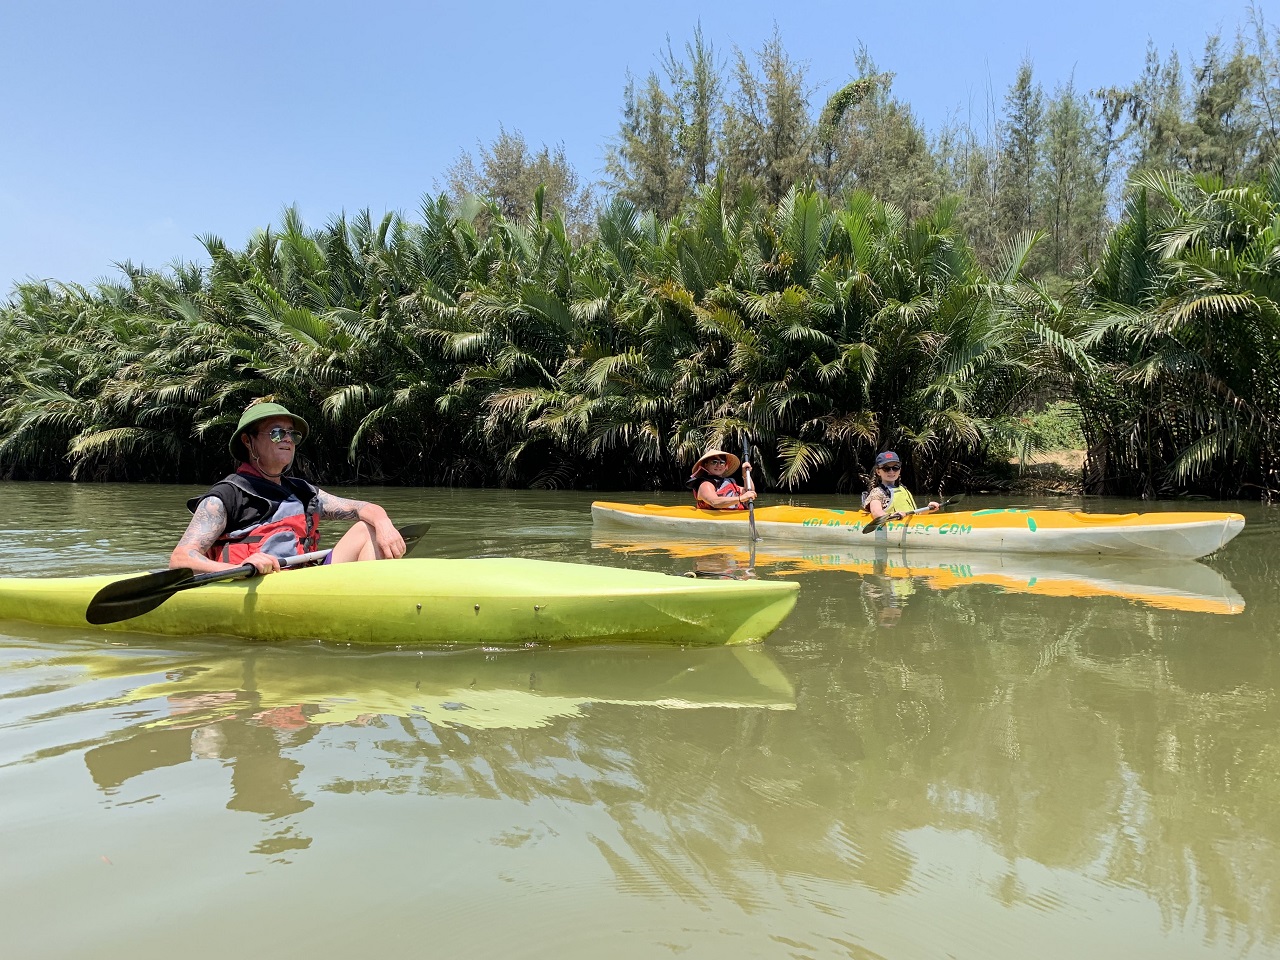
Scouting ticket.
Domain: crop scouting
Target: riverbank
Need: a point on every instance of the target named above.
(1059, 472)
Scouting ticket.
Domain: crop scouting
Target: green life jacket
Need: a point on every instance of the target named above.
(900, 501)
(903, 501)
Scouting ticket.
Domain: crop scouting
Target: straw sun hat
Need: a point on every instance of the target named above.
(731, 462)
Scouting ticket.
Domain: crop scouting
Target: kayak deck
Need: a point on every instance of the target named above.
(1009, 530)
(434, 602)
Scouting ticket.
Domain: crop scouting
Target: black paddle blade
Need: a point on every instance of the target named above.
(875, 524)
(130, 598)
(135, 596)
(411, 533)
(113, 611)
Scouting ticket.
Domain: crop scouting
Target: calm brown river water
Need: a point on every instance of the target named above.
(933, 757)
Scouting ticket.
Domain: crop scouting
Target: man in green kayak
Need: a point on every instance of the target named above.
(259, 514)
(887, 495)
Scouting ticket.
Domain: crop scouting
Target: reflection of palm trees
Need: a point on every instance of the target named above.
(1022, 745)
(1202, 743)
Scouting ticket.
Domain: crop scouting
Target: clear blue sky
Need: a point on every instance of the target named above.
(131, 127)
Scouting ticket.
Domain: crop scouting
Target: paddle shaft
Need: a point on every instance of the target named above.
(410, 533)
(878, 521)
(247, 571)
(751, 487)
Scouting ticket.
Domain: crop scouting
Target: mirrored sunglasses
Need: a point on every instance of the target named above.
(278, 434)
(720, 460)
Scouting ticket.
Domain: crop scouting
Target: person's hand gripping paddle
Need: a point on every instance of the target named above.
(125, 599)
(878, 521)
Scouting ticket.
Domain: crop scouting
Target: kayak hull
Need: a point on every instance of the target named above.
(438, 603)
(1187, 535)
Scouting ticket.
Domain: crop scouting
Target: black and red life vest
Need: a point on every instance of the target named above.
(282, 519)
(724, 488)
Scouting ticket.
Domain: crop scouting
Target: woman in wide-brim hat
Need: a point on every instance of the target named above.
(713, 485)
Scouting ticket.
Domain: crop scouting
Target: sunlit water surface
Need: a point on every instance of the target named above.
(933, 757)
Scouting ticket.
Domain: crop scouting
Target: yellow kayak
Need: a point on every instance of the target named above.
(1009, 530)
(441, 603)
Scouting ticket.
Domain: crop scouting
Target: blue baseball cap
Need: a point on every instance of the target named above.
(883, 459)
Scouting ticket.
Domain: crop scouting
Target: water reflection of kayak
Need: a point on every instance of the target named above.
(1168, 534)
(515, 689)
(1170, 584)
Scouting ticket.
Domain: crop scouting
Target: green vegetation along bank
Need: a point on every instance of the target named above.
(470, 348)
(842, 285)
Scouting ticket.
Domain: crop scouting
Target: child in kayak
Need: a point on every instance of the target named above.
(260, 515)
(712, 484)
(887, 495)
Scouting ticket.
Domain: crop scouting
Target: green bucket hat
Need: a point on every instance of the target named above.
(261, 411)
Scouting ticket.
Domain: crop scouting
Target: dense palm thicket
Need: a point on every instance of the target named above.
(839, 286)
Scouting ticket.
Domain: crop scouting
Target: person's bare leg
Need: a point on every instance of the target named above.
(356, 544)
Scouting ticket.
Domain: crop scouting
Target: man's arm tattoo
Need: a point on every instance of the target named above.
(339, 508)
(207, 524)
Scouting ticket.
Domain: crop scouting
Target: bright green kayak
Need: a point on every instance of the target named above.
(435, 602)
